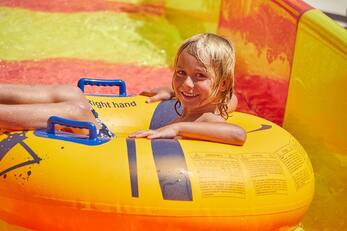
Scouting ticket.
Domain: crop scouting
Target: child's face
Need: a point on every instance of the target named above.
(192, 84)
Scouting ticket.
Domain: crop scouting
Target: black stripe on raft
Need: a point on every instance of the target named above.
(11, 141)
(262, 128)
(163, 114)
(133, 167)
(172, 170)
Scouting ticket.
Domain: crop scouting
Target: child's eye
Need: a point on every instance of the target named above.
(180, 73)
(200, 76)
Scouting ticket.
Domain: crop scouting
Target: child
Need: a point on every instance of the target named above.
(203, 85)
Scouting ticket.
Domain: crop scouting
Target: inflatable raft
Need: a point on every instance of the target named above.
(50, 181)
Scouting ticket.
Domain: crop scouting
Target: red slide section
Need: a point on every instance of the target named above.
(85, 6)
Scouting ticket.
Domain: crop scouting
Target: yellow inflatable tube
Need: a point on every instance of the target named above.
(163, 184)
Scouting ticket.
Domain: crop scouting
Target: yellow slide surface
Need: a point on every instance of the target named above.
(316, 114)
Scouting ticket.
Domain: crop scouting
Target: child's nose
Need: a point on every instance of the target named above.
(189, 82)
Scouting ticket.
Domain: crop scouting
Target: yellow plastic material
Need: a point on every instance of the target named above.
(318, 81)
(267, 184)
(316, 114)
(115, 112)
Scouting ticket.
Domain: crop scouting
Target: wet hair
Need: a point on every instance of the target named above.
(217, 55)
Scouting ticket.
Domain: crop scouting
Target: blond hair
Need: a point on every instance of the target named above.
(217, 54)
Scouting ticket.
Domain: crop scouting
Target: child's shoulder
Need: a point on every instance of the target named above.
(210, 117)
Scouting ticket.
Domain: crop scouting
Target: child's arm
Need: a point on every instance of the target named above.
(158, 94)
(166, 93)
(220, 132)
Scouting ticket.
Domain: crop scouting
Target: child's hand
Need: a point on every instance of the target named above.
(169, 131)
(157, 94)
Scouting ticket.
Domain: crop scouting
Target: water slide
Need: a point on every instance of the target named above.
(291, 65)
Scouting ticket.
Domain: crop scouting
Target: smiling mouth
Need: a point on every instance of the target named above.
(189, 95)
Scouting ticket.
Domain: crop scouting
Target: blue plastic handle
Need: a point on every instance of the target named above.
(53, 120)
(103, 82)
